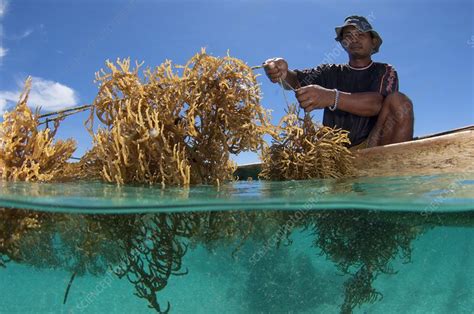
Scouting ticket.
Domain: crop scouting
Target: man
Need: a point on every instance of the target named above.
(361, 97)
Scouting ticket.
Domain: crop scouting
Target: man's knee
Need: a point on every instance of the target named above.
(399, 105)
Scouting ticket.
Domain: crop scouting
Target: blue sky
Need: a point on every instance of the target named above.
(63, 43)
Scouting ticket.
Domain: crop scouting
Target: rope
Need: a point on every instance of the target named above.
(78, 109)
(282, 84)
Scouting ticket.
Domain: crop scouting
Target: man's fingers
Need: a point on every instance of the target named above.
(275, 69)
(276, 79)
(302, 100)
(280, 65)
(271, 71)
(305, 104)
(303, 97)
(301, 91)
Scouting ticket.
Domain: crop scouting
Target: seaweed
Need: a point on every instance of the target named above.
(27, 153)
(14, 225)
(165, 127)
(3, 260)
(153, 254)
(362, 245)
(306, 150)
(358, 290)
(175, 127)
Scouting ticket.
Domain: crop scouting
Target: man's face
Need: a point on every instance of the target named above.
(357, 43)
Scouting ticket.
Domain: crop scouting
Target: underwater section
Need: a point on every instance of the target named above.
(367, 245)
(339, 261)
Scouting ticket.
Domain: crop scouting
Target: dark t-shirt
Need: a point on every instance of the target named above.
(378, 77)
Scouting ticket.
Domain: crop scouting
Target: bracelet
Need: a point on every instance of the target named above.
(336, 101)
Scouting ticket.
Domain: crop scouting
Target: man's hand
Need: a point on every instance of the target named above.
(315, 97)
(276, 69)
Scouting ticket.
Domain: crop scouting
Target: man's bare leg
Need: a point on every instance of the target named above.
(395, 121)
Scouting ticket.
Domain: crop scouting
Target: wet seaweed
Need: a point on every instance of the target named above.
(153, 254)
(363, 247)
(359, 290)
(3, 260)
(66, 293)
(14, 225)
(305, 150)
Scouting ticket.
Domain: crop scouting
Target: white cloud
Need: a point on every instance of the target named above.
(3, 7)
(3, 52)
(26, 33)
(21, 36)
(3, 105)
(48, 95)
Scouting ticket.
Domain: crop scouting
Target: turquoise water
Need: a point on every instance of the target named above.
(373, 245)
(437, 193)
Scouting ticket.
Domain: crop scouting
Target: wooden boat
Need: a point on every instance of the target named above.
(446, 152)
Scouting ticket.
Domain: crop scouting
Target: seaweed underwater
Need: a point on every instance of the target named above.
(153, 253)
(149, 249)
(362, 245)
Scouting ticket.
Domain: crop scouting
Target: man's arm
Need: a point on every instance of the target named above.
(366, 104)
(369, 104)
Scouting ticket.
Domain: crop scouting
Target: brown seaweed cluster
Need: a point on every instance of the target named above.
(14, 224)
(174, 125)
(154, 252)
(27, 153)
(234, 228)
(306, 150)
(177, 125)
